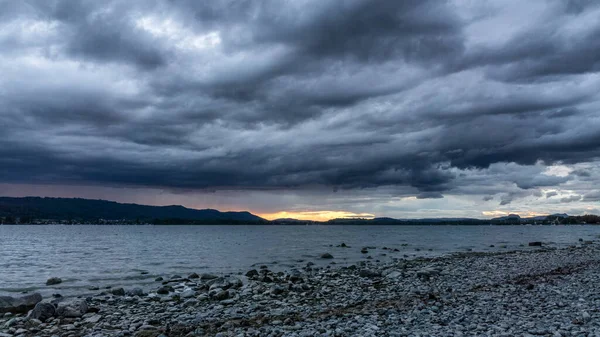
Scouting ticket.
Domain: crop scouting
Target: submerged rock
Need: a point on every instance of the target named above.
(53, 280)
(327, 256)
(535, 244)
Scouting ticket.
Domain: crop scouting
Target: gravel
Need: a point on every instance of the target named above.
(545, 292)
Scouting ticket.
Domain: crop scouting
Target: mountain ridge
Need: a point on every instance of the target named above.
(90, 209)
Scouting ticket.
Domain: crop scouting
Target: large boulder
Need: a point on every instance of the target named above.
(76, 308)
(19, 304)
(43, 311)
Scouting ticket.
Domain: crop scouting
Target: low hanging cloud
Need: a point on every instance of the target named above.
(254, 95)
(571, 198)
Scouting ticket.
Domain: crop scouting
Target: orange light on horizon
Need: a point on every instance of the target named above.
(315, 215)
(528, 214)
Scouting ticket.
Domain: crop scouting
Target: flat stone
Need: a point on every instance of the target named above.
(93, 319)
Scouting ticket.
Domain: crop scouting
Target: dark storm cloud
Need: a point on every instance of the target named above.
(276, 95)
(101, 32)
(550, 49)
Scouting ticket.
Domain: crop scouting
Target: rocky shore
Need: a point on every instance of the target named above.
(545, 292)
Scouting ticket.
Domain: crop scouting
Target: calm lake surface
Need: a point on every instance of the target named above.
(85, 256)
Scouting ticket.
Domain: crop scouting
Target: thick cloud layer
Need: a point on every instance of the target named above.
(393, 98)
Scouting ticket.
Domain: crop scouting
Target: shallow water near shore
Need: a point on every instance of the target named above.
(133, 256)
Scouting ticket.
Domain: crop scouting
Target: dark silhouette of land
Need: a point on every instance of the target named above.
(37, 210)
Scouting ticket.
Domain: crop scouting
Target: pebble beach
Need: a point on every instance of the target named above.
(542, 292)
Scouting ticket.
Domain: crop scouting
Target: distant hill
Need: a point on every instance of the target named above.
(86, 209)
(510, 217)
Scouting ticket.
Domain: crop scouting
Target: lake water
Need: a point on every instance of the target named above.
(118, 255)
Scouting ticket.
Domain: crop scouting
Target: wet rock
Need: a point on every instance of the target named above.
(252, 273)
(118, 292)
(19, 304)
(190, 303)
(42, 311)
(136, 292)
(219, 282)
(327, 256)
(394, 274)
(75, 308)
(364, 250)
(165, 290)
(369, 273)
(427, 272)
(221, 295)
(188, 294)
(93, 319)
(208, 277)
(295, 276)
(276, 290)
(193, 276)
(535, 244)
(53, 280)
(158, 279)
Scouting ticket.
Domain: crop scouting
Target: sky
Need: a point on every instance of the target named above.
(312, 109)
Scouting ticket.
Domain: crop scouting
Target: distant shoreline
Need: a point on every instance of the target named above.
(37, 210)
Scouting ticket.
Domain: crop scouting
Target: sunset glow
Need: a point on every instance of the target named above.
(315, 215)
(495, 214)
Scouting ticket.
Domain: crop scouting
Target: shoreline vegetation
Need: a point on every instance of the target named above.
(541, 292)
(71, 211)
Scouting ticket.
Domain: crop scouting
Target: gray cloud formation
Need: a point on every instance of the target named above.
(271, 95)
(571, 198)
